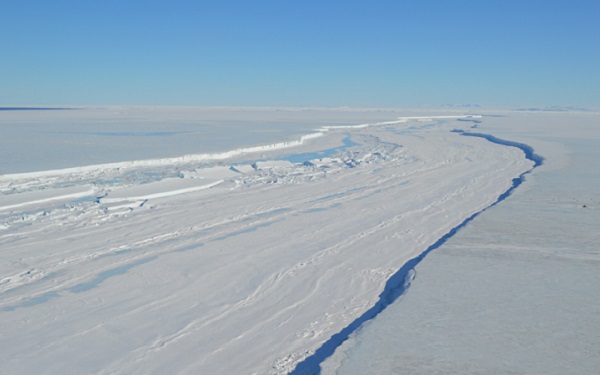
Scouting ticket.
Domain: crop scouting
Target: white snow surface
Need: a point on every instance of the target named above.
(159, 267)
(516, 290)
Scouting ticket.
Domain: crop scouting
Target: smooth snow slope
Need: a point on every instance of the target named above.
(246, 273)
(514, 292)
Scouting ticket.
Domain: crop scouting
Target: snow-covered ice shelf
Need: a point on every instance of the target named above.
(239, 266)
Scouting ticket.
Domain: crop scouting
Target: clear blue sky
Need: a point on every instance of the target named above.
(300, 53)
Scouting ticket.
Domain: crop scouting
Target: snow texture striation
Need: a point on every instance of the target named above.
(245, 263)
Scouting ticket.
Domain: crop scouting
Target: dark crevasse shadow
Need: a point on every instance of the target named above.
(400, 281)
(528, 150)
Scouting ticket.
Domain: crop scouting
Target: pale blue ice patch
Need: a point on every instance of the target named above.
(307, 156)
(188, 248)
(273, 212)
(103, 276)
(33, 301)
(321, 209)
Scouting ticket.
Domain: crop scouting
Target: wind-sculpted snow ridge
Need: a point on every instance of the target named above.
(400, 281)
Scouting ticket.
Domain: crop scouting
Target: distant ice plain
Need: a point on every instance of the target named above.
(45, 140)
(263, 310)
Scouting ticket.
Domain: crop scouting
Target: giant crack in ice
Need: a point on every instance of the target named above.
(400, 281)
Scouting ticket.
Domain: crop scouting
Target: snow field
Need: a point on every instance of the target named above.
(232, 273)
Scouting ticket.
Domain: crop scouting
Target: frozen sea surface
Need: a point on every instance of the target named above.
(514, 292)
(37, 139)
